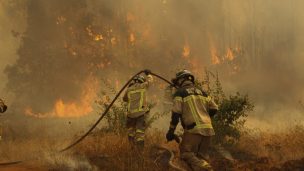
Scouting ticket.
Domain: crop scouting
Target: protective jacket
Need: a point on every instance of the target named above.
(192, 105)
(136, 98)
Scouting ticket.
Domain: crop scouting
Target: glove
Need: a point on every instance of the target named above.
(170, 135)
(174, 81)
(147, 71)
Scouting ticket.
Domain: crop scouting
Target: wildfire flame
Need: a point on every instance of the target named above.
(193, 62)
(229, 55)
(78, 108)
(186, 50)
(95, 36)
(214, 57)
(98, 37)
(227, 58)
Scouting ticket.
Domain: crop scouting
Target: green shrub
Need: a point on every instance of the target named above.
(233, 110)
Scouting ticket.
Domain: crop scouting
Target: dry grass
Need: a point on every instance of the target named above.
(115, 153)
(264, 150)
(256, 150)
(278, 147)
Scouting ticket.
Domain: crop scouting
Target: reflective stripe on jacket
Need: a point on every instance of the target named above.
(193, 106)
(136, 99)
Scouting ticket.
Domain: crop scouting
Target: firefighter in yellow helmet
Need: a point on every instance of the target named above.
(3, 107)
(194, 108)
(135, 97)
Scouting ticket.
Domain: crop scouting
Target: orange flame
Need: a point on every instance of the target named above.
(95, 36)
(186, 50)
(98, 37)
(229, 55)
(214, 57)
(78, 108)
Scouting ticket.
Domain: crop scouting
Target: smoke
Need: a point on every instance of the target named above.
(12, 19)
(68, 162)
(256, 46)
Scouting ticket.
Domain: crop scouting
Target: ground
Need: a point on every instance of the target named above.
(111, 151)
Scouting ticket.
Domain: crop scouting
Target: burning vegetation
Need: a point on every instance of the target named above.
(69, 48)
(69, 42)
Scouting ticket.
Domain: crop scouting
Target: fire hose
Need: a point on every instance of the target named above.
(100, 118)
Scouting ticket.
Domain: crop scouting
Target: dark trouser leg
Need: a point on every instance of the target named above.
(140, 131)
(131, 126)
(189, 149)
(204, 148)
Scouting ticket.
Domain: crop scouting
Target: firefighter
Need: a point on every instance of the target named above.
(135, 97)
(3, 107)
(194, 108)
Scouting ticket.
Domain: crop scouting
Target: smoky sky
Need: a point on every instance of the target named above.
(58, 44)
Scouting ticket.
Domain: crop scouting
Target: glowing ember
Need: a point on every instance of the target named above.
(98, 37)
(95, 36)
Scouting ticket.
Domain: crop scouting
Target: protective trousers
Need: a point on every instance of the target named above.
(194, 150)
(136, 130)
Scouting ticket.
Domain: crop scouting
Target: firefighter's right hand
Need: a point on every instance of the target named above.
(170, 135)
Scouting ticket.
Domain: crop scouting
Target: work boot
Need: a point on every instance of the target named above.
(204, 157)
(203, 165)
